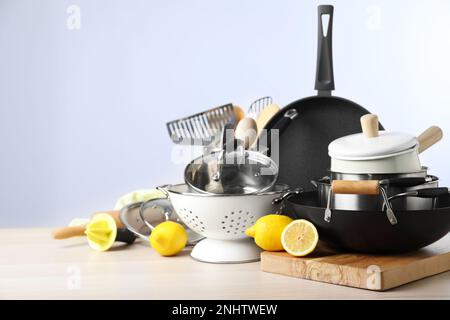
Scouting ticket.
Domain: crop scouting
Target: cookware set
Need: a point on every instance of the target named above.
(321, 158)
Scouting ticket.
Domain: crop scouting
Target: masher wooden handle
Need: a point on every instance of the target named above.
(68, 232)
(363, 187)
(429, 137)
(369, 125)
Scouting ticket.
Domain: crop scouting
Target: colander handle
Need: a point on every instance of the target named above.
(163, 189)
(288, 194)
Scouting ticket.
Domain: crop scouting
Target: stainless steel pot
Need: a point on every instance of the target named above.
(370, 195)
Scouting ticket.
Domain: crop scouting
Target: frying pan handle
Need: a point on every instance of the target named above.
(362, 187)
(324, 72)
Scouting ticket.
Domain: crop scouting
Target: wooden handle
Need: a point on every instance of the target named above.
(369, 125)
(363, 187)
(68, 232)
(429, 137)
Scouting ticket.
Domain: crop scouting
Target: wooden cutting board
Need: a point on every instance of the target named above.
(373, 272)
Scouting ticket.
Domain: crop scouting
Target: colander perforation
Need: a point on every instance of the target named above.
(236, 222)
(221, 218)
(192, 221)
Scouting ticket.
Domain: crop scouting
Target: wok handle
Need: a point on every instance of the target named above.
(407, 181)
(422, 193)
(431, 192)
(362, 187)
(324, 70)
(429, 138)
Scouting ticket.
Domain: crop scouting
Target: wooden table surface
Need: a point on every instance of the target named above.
(34, 266)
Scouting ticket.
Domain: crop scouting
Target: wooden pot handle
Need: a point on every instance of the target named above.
(429, 137)
(363, 187)
(370, 125)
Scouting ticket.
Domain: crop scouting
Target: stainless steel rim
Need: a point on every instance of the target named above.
(334, 175)
(278, 189)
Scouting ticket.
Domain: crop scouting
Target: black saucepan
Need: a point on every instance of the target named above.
(370, 231)
(307, 126)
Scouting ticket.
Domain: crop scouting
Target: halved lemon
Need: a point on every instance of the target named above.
(299, 238)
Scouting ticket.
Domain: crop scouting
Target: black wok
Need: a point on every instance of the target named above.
(306, 127)
(371, 232)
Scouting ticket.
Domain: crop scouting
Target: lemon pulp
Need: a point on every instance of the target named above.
(300, 238)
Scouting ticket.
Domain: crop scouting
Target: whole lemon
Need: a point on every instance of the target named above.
(168, 238)
(267, 231)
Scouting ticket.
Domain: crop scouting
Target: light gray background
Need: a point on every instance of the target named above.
(83, 112)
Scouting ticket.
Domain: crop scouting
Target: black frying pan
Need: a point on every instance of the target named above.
(370, 231)
(307, 126)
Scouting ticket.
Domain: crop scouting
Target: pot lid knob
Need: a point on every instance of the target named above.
(369, 124)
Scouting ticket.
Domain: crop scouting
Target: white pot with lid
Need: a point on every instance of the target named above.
(380, 152)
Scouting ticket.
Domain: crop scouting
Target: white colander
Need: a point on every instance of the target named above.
(223, 219)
